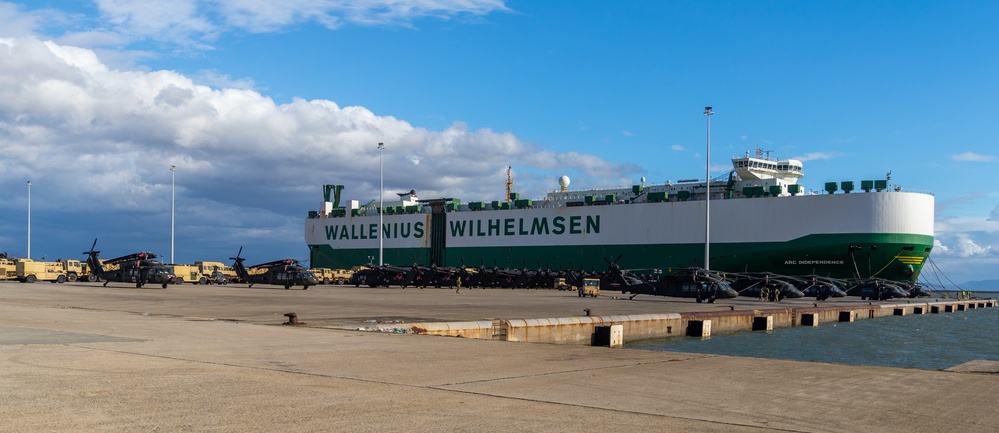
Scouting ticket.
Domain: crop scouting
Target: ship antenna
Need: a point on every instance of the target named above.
(509, 183)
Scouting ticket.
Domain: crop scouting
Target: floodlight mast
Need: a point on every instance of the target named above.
(381, 205)
(29, 219)
(707, 195)
(173, 198)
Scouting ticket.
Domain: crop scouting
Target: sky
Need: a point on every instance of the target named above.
(258, 104)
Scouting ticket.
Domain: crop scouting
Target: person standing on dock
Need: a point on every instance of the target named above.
(457, 284)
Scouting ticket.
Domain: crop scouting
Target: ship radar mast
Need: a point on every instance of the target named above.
(563, 183)
(509, 183)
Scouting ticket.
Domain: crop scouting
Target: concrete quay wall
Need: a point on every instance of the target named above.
(579, 330)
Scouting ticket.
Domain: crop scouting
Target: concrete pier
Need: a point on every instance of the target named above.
(579, 330)
(78, 357)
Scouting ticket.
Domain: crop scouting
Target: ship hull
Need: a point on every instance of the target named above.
(887, 235)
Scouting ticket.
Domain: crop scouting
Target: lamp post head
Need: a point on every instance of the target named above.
(707, 111)
(173, 168)
(29, 183)
(381, 146)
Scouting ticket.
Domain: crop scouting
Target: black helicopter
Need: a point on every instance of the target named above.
(369, 276)
(697, 283)
(285, 273)
(765, 286)
(876, 288)
(819, 287)
(684, 283)
(138, 268)
(543, 277)
(387, 275)
(448, 277)
(916, 290)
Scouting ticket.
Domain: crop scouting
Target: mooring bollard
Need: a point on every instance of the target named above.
(292, 319)
(587, 311)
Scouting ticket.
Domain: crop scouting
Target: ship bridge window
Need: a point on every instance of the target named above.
(908, 248)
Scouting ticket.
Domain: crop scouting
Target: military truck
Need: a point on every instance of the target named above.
(29, 271)
(562, 284)
(590, 287)
(333, 276)
(74, 269)
(187, 274)
(216, 272)
(8, 268)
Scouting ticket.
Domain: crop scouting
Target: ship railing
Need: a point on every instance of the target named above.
(917, 191)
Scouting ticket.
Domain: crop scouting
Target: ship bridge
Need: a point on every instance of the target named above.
(761, 167)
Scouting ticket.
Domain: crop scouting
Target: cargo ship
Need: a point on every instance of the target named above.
(761, 220)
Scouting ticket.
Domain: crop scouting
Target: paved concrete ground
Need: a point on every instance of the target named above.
(78, 357)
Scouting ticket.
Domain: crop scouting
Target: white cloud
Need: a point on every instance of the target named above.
(968, 248)
(972, 157)
(67, 117)
(98, 142)
(196, 23)
(814, 156)
(966, 245)
(677, 148)
(15, 22)
(939, 248)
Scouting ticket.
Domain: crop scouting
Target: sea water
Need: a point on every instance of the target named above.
(927, 341)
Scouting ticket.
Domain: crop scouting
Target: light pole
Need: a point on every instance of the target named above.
(707, 195)
(173, 199)
(381, 205)
(29, 219)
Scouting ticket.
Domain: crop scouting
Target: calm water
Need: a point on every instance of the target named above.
(929, 341)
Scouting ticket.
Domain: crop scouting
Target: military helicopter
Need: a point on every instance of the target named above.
(138, 268)
(685, 283)
(369, 276)
(875, 288)
(387, 275)
(819, 287)
(543, 277)
(448, 277)
(697, 283)
(484, 277)
(916, 290)
(765, 286)
(285, 273)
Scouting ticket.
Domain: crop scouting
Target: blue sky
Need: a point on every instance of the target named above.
(261, 103)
